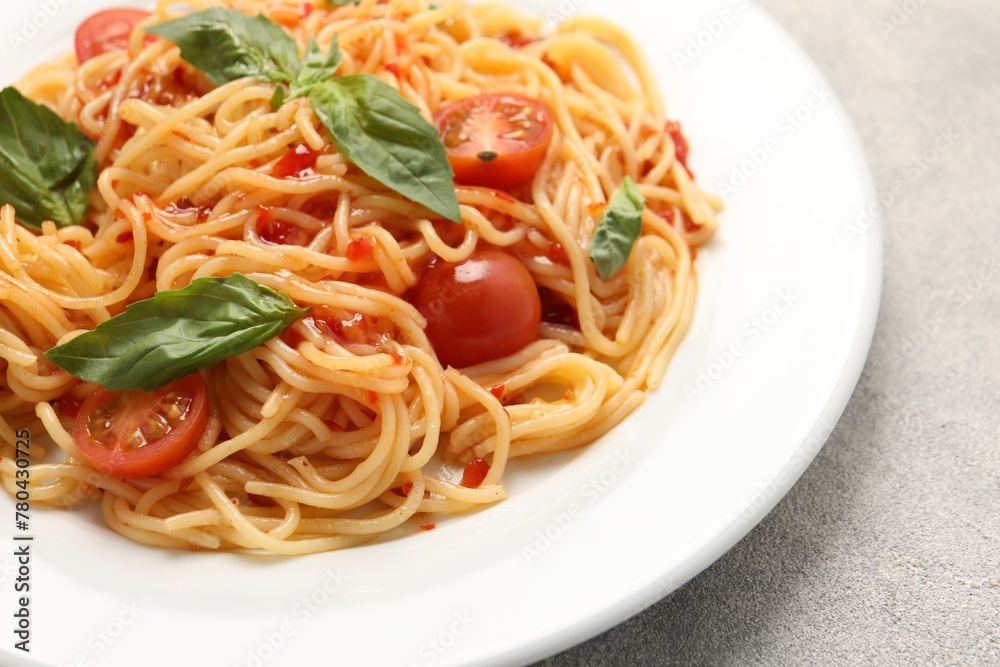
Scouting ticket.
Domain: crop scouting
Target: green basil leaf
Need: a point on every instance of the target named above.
(47, 165)
(618, 230)
(227, 45)
(387, 138)
(177, 333)
(316, 68)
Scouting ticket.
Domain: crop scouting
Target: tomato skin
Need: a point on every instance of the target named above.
(495, 140)
(108, 30)
(482, 309)
(123, 413)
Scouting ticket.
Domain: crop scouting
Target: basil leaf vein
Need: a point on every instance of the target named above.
(316, 68)
(369, 121)
(619, 229)
(47, 165)
(228, 45)
(177, 333)
(387, 138)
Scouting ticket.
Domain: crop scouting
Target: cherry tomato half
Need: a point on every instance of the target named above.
(108, 30)
(136, 434)
(495, 140)
(482, 309)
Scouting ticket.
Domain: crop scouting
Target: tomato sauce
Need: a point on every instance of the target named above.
(298, 162)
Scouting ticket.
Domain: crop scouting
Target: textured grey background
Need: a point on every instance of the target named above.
(887, 550)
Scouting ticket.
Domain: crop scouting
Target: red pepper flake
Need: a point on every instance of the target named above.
(690, 225)
(393, 68)
(125, 237)
(505, 196)
(362, 249)
(498, 390)
(398, 359)
(670, 216)
(557, 254)
(405, 491)
(595, 209)
(346, 328)
(127, 131)
(73, 243)
(680, 143)
(372, 397)
(264, 215)
(475, 473)
(110, 81)
(430, 526)
(298, 162)
(518, 41)
(307, 9)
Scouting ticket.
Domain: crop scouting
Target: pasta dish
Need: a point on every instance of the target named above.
(289, 276)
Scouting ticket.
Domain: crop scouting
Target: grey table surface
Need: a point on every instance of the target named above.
(886, 551)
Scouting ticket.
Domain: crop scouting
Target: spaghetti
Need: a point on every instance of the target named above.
(319, 439)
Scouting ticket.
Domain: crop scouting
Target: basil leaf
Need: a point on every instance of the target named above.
(371, 124)
(316, 68)
(618, 230)
(177, 333)
(383, 134)
(227, 45)
(47, 165)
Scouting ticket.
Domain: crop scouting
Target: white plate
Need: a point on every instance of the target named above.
(628, 519)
